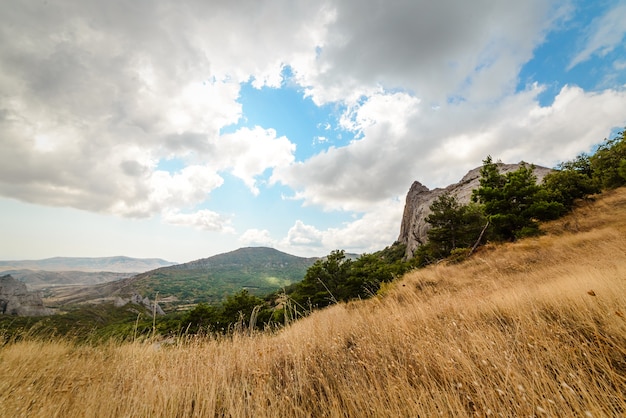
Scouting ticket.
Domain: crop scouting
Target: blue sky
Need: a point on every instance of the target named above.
(181, 130)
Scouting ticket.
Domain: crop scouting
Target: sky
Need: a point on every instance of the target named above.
(185, 129)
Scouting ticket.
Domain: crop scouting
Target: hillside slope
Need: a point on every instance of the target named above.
(260, 270)
(533, 328)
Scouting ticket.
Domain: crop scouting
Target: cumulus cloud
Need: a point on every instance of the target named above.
(95, 94)
(369, 232)
(257, 237)
(249, 152)
(367, 170)
(437, 147)
(303, 235)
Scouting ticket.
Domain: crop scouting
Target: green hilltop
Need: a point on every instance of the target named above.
(259, 270)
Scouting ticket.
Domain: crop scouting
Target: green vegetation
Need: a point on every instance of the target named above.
(513, 202)
(333, 279)
(455, 228)
(608, 164)
(240, 311)
(337, 278)
(258, 270)
(84, 323)
(571, 181)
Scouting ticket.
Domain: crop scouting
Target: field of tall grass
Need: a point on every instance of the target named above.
(533, 328)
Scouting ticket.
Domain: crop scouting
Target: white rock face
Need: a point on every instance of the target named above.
(15, 299)
(414, 228)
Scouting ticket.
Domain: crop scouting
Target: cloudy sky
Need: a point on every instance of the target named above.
(183, 129)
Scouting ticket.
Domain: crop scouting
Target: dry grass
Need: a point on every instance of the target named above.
(536, 328)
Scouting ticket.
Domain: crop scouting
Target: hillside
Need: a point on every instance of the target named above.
(119, 264)
(258, 269)
(533, 328)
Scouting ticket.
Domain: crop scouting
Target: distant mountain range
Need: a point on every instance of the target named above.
(119, 264)
(41, 279)
(260, 270)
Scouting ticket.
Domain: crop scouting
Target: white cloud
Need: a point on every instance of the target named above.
(370, 232)
(381, 112)
(188, 187)
(437, 147)
(603, 35)
(203, 107)
(257, 237)
(203, 219)
(367, 170)
(436, 50)
(303, 235)
(247, 153)
(373, 231)
(95, 94)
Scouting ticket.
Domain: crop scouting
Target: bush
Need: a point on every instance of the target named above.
(566, 185)
(459, 255)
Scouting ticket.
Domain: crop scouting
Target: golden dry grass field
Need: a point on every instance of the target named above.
(533, 328)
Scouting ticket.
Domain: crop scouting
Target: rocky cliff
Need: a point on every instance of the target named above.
(414, 228)
(15, 299)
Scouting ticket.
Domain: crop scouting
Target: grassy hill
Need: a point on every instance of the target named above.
(260, 270)
(533, 328)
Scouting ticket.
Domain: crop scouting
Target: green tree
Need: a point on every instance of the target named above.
(570, 181)
(337, 278)
(202, 318)
(581, 164)
(325, 281)
(368, 272)
(622, 169)
(236, 309)
(608, 161)
(453, 225)
(513, 202)
(239, 307)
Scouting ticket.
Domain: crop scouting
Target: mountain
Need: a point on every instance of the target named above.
(260, 270)
(40, 279)
(119, 264)
(414, 228)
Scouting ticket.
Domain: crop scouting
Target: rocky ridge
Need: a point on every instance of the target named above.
(15, 299)
(414, 228)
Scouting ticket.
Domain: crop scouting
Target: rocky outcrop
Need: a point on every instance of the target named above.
(414, 228)
(138, 300)
(15, 299)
